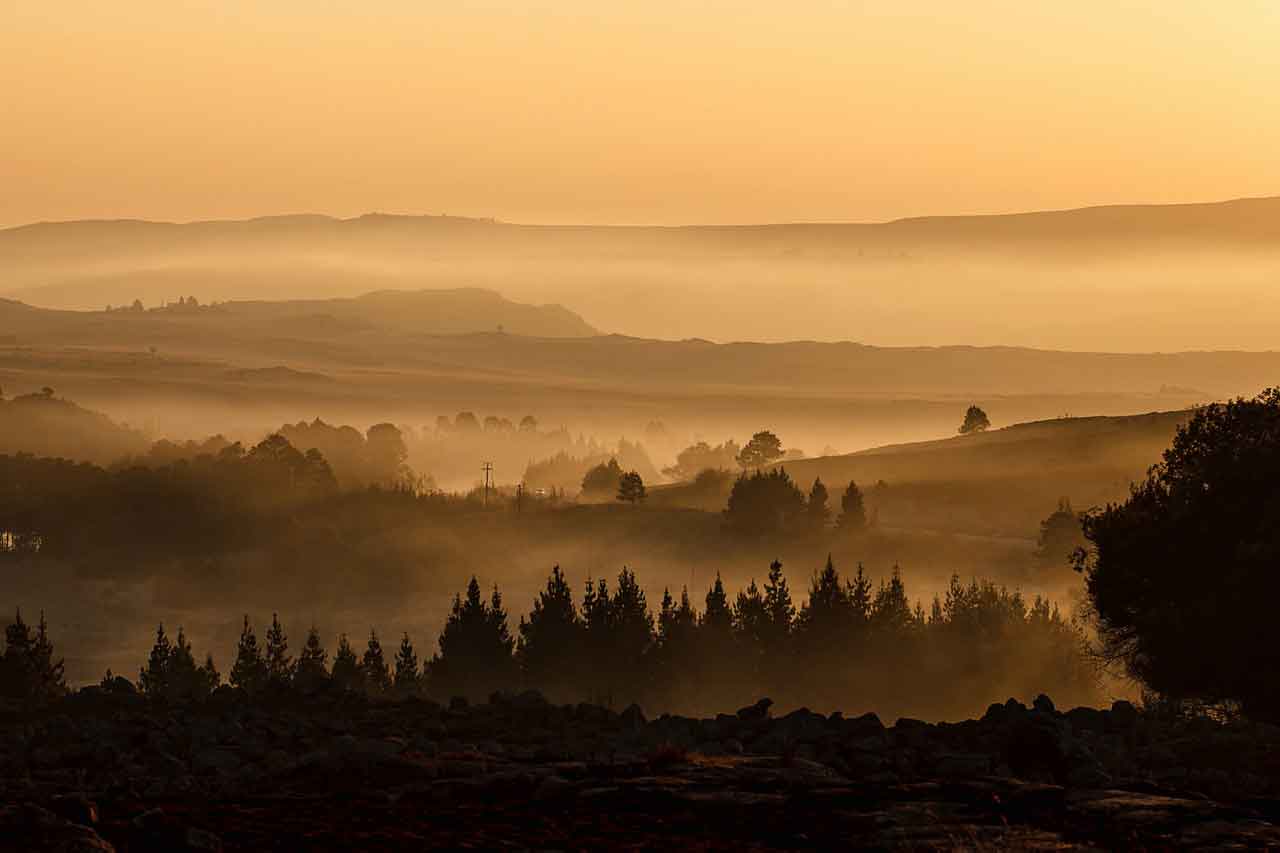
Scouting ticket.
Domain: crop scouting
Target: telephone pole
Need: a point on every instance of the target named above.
(488, 477)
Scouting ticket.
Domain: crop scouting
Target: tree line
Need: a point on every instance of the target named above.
(847, 641)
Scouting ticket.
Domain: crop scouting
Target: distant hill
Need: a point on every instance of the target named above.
(438, 312)
(1002, 482)
(46, 425)
(1092, 278)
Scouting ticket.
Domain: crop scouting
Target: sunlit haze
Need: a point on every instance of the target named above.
(661, 112)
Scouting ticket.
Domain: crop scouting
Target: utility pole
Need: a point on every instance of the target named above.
(519, 497)
(488, 477)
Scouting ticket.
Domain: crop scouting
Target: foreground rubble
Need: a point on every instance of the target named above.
(112, 772)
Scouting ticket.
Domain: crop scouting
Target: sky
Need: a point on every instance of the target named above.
(618, 112)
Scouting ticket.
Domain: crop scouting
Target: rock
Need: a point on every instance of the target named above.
(758, 711)
(1043, 704)
(553, 788)
(731, 746)
(76, 808)
(215, 761)
(1087, 720)
(962, 765)
(458, 703)
(30, 827)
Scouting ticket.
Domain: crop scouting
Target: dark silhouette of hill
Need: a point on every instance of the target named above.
(45, 425)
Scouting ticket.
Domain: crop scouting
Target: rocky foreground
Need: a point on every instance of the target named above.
(112, 772)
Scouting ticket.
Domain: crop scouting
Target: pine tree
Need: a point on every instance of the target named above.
(249, 672)
(377, 675)
(551, 639)
(780, 612)
(279, 663)
(346, 667)
(860, 597)
(209, 675)
(891, 611)
(631, 488)
(476, 647)
(816, 509)
(184, 677)
(309, 674)
(28, 671)
(406, 678)
(853, 511)
(153, 680)
(717, 618)
(750, 615)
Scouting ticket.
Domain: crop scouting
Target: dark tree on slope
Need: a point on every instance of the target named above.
(763, 449)
(373, 666)
(28, 670)
(631, 488)
(153, 680)
(407, 675)
(476, 646)
(853, 511)
(764, 503)
(816, 509)
(1183, 578)
(551, 640)
(975, 420)
(310, 674)
(250, 669)
(602, 481)
(346, 673)
(1060, 536)
(279, 662)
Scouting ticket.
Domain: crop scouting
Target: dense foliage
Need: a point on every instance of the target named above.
(1183, 575)
(848, 640)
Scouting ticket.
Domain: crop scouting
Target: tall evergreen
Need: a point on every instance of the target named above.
(153, 680)
(28, 671)
(551, 639)
(310, 673)
(816, 508)
(377, 674)
(346, 666)
(279, 662)
(476, 648)
(853, 510)
(250, 669)
(406, 677)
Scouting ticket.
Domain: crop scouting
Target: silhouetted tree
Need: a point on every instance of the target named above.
(817, 509)
(1183, 578)
(153, 680)
(28, 670)
(700, 457)
(373, 666)
(406, 677)
(310, 673)
(765, 502)
(528, 424)
(853, 512)
(763, 448)
(975, 420)
(346, 673)
(1060, 536)
(476, 646)
(279, 662)
(250, 669)
(631, 488)
(551, 639)
(602, 480)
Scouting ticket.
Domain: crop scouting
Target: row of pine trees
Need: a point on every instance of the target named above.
(849, 639)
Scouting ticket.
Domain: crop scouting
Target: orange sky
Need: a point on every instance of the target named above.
(627, 112)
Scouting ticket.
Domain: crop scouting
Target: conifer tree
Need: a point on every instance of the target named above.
(28, 671)
(406, 677)
(377, 675)
(209, 675)
(853, 510)
(279, 662)
(310, 674)
(249, 672)
(816, 508)
(185, 679)
(551, 639)
(346, 667)
(153, 680)
(860, 597)
(476, 647)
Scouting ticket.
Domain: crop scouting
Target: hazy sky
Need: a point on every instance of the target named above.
(655, 111)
